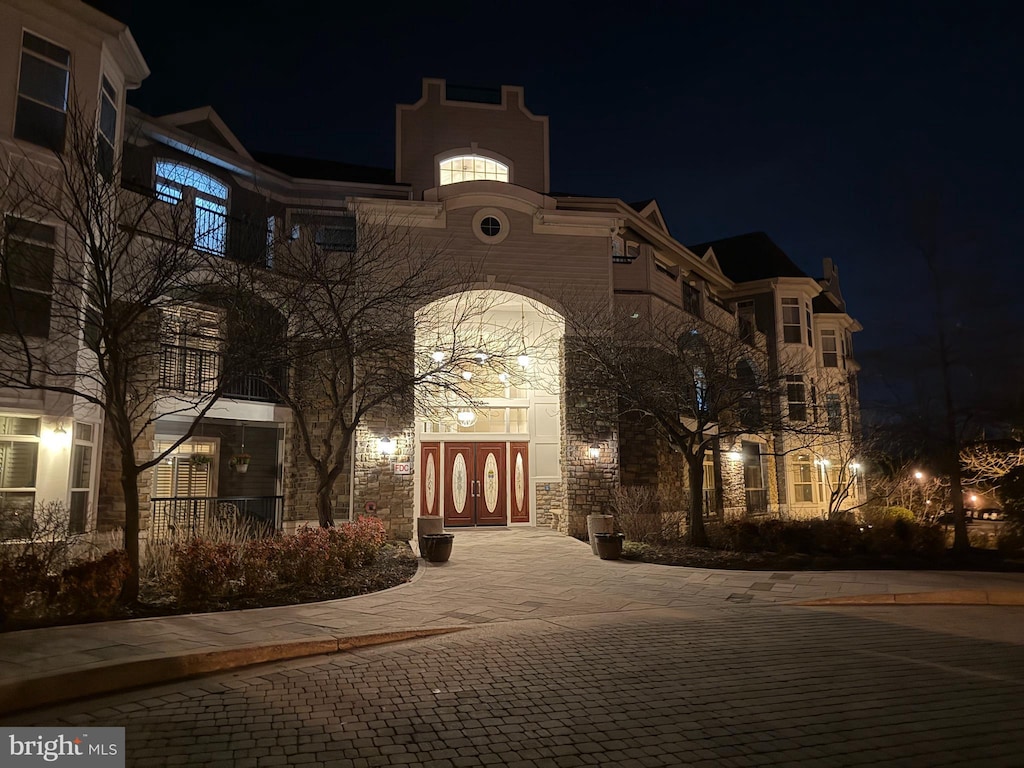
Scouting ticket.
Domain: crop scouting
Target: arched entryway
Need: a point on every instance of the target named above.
(488, 453)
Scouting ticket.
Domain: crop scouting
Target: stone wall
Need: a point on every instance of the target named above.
(549, 510)
(588, 420)
(377, 484)
(110, 506)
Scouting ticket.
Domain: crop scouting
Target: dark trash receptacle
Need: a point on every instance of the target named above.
(437, 547)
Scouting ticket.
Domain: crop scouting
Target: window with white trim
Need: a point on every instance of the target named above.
(211, 202)
(803, 479)
(81, 477)
(26, 277)
(19, 460)
(834, 412)
(829, 348)
(791, 330)
(107, 130)
(189, 349)
(42, 113)
(471, 168)
(796, 394)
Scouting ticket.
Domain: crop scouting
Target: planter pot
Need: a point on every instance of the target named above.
(609, 545)
(241, 468)
(437, 547)
(598, 524)
(428, 524)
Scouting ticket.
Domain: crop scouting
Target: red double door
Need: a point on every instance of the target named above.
(475, 483)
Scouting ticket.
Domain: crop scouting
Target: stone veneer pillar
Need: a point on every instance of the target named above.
(376, 483)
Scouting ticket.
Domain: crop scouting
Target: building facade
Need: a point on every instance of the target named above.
(472, 171)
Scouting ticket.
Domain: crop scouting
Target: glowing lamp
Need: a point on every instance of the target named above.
(386, 446)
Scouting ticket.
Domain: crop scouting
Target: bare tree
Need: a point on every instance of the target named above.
(88, 269)
(346, 299)
(695, 381)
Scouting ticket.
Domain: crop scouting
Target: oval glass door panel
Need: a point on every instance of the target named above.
(430, 483)
(491, 482)
(459, 484)
(520, 481)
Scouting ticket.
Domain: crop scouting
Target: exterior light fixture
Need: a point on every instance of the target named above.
(974, 499)
(467, 375)
(855, 466)
(634, 316)
(386, 446)
(503, 377)
(481, 357)
(594, 451)
(60, 429)
(734, 456)
(919, 475)
(466, 417)
(437, 357)
(523, 360)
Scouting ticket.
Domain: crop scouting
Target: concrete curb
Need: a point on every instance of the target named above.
(60, 687)
(945, 597)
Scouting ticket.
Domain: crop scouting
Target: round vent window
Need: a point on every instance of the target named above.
(490, 226)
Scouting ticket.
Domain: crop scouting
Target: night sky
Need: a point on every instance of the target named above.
(823, 124)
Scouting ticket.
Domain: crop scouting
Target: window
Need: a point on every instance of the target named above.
(42, 93)
(829, 351)
(472, 168)
(490, 226)
(26, 278)
(700, 390)
(746, 321)
(803, 479)
(339, 237)
(691, 299)
(796, 394)
(753, 478)
(107, 130)
(834, 412)
(211, 202)
(188, 471)
(810, 333)
(791, 333)
(81, 477)
(19, 458)
(190, 349)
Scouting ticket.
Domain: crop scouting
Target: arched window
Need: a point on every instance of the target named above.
(211, 202)
(472, 168)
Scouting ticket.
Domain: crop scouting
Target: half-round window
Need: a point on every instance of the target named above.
(472, 168)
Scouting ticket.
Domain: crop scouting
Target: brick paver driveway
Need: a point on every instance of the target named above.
(723, 685)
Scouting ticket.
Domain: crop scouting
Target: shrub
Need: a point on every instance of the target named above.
(1011, 540)
(27, 588)
(887, 515)
(202, 570)
(362, 541)
(93, 586)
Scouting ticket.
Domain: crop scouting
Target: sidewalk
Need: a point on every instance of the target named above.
(494, 575)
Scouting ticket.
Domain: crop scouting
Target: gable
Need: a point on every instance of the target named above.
(205, 124)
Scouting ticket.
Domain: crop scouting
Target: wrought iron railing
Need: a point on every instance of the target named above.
(198, 371)
(176, 516)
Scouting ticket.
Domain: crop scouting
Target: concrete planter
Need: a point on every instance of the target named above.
(599, 524)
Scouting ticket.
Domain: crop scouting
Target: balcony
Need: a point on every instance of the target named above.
(198, 372)
(186, 516)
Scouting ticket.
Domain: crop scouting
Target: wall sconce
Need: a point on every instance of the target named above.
(60, 429)
(734, 456)
(467, 375)
(386, 446)
(595, 451)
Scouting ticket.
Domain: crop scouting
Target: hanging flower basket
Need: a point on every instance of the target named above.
(199, 459)
(240, 462)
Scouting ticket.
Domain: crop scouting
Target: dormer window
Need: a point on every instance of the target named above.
(472, 168)
(211, 202)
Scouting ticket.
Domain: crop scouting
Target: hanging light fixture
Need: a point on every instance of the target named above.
(524, 358)
(437, 356)
(467, 375)
(467, 417)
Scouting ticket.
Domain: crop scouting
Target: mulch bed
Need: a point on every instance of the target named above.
(699, 557)
(395, 565)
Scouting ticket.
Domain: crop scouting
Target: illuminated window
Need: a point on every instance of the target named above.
(81, 477)
(803, 479)
(472, 168)
(211, 202)
(42, 93)
(19, 459)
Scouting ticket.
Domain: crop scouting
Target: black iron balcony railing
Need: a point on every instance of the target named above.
(198, 372)
(757, 502)
(183, 516)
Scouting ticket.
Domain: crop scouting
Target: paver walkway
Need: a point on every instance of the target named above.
(494, 575)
